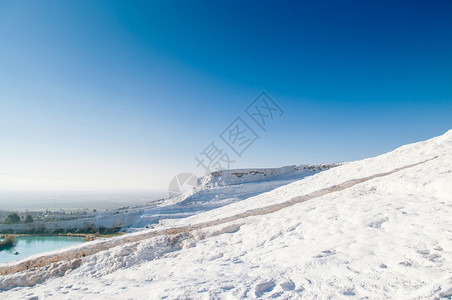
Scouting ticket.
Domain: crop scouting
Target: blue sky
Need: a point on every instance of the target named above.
(122, 95)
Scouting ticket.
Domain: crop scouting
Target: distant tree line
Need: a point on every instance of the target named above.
(15, 219)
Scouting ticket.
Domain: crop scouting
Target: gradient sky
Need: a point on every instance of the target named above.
(122, 95)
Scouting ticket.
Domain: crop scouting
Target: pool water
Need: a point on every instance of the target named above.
(30, 245)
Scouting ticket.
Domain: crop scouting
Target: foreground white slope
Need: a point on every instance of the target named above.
(387, 234)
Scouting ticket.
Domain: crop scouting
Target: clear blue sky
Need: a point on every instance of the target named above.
(122, 95)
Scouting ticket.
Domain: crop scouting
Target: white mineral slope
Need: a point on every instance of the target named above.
(389, 236)
(215, 190)
(225, 187)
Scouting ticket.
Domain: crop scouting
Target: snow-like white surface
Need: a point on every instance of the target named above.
(222, 188)
(385, 237)
(215, 190)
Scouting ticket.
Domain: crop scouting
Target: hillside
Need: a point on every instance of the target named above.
(376, 228)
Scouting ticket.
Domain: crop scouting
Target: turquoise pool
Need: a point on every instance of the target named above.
(30, 245)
